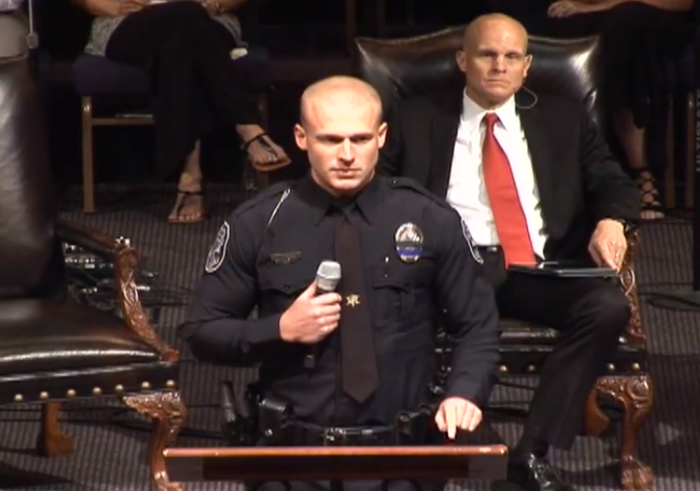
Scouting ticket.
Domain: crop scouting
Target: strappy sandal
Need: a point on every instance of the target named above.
(651, 206)
(261, 140)
(182, 199)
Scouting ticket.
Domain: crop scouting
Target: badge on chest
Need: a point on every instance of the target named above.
(408, 242)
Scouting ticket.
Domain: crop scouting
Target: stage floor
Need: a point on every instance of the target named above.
(111, 456)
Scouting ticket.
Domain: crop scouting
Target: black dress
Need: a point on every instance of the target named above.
(197, 87)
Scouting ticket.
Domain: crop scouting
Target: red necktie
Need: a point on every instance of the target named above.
(508, 214)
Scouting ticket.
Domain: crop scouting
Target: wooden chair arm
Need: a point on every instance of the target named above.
(634, 333)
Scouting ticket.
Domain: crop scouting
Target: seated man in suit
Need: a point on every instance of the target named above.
(532, 179)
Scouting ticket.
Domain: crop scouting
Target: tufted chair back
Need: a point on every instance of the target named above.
(27, 212)
(422, 65)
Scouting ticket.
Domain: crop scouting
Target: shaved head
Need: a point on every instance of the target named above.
(339, 93)
(494, 59)
(475, 30)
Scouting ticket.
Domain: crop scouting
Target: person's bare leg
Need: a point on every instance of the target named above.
(261, 157)
(189, 204)
(632, 140)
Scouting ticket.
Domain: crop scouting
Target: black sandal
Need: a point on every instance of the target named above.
(181, 201)
(651, 206)
(278, 163)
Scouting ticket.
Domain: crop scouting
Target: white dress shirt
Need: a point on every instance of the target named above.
(466, 191)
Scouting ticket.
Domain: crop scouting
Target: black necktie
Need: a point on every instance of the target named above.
(358, 361)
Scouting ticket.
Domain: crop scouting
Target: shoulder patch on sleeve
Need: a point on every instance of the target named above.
(411, 185)
(473, 249)
(217, 252)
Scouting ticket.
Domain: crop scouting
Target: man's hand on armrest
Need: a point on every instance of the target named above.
(608, 244)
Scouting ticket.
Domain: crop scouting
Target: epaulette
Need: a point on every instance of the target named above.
(412, 185)
(270, 193)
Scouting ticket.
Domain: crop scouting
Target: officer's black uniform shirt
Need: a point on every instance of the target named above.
(268, 251)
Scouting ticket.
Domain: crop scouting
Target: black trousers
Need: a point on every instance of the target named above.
(196, 85)
(590, 314)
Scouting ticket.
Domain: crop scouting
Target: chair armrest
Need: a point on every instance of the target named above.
(94, 241)
(125, 260)
(634, 333)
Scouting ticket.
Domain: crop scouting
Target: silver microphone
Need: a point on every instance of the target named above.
(327, 278)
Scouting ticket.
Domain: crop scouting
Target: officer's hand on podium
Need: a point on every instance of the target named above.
(311, 317)
(455, 414)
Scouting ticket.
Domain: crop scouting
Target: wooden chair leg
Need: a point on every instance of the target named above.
(262, 179)
(635, 394)
(264, 110)
(52, 442)
(88, 176)
(670, 175)
(690, 151)
(168, 412)
(380, 16)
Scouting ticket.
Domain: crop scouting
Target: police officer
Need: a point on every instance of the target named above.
(405, 259)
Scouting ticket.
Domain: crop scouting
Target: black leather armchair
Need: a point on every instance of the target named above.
(52, 349)
(411, 67)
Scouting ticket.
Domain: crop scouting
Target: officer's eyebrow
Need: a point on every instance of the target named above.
(337, 137)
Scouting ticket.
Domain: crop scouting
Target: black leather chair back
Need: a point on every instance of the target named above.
(27, 212)
(422, 65)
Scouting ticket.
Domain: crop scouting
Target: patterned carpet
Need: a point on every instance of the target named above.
(110, 456)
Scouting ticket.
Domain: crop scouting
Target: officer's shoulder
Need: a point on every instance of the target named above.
(266, 198)
(416, 190)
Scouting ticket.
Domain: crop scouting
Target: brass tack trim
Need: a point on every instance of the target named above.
(502, 368)
(119, 388)
(636, 367)
(44, 395)
(170, 383)
(70, 393)
(531, 368)
(97, 391)
(145, 385)
(19, 397)
(611, 367)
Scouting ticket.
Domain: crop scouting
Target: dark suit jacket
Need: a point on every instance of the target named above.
(579, 180)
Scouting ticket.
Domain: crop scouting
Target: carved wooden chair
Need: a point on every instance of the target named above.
(421, 65)
(53, 349)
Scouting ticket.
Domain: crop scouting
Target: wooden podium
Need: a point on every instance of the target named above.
(335, 464)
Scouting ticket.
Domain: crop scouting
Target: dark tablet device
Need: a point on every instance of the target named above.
(564, 269)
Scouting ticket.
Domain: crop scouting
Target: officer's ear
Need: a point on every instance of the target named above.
(381, 134)
(300, 136)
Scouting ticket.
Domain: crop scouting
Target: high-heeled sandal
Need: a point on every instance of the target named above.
(650, 203)
(261, 139)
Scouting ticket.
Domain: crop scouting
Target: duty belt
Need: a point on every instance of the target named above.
(410, 428)
(250, 419)
(311, 435)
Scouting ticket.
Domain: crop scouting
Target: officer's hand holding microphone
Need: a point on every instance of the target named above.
(316, 312)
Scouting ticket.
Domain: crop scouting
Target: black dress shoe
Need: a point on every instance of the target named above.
(532, 473)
